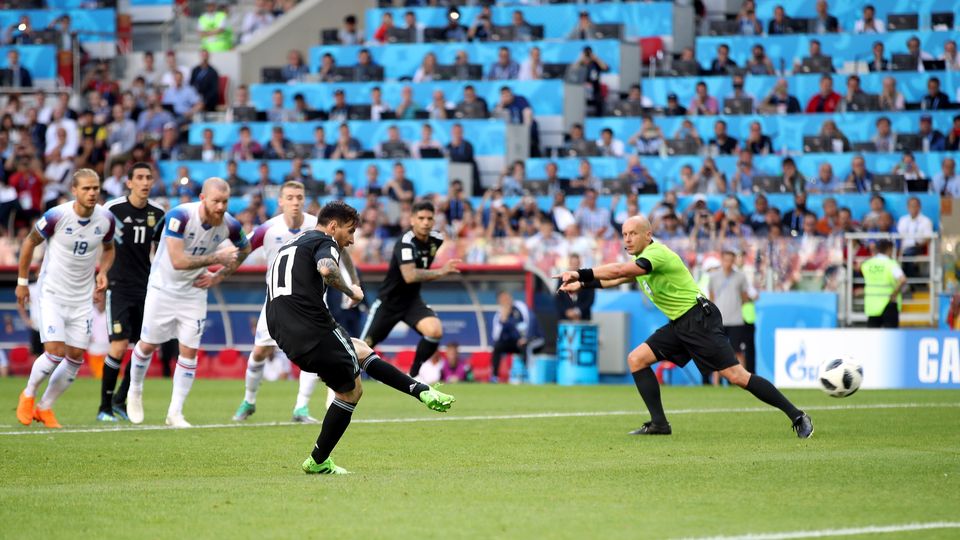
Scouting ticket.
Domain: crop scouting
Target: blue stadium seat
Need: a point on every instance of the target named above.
(402, 60)
(39, 60)
(548, 93)
(639, 18)
(847, 13)
(92, 25)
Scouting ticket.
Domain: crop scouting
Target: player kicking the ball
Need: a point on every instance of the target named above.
(400, 298)
(176, 304)
(271, 235)
(306, 331)
(695, 328)
(74, 232)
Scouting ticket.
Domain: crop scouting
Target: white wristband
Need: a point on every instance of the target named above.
(23, 281)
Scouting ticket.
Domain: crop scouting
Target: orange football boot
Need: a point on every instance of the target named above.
(25, 409)
(46, 416)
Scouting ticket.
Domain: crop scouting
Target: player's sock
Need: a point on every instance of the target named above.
(61, 379)
(111, 369)
(43, 366)
(425, 349)
(391, 376)
(120, 396)
(182, 382)
(335, 422)
(254, 378)
(308, 382)
(766, 392)
(649, 388)
(141, 363)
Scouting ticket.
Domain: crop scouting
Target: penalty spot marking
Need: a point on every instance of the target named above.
(854, 531)
(527, 416)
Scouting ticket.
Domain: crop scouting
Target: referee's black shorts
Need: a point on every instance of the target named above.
(738, 337)
(696, 335)
(333, 359)
(384, 315)
(124, 314)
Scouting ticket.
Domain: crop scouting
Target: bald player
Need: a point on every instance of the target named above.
(176, 304)
(695, 329)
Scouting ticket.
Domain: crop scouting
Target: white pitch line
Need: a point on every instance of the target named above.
(525, 416)
(855, 531)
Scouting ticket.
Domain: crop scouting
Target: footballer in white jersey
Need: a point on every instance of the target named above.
(79, 235)
(176, 304)
(271, 236)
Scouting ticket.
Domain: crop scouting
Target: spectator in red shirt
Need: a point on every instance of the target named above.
(386, 23)
(827, 100)
(28, 181)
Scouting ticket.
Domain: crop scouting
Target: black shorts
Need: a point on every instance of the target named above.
(333, 359)
(698, 335)
(738, 337)
(890, 318)
(124, 315)
(383, 316)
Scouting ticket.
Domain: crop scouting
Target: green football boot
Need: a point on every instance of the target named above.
(327, 467)
(436, 400)
(244, 411)
(302, 416)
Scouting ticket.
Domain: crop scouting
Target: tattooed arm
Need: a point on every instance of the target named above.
(330, 270)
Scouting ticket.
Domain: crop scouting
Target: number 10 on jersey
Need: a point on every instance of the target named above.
(281, 273)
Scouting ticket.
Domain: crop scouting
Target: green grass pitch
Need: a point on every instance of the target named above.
(731, 468)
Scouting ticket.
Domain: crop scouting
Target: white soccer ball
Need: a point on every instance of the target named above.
(840, 377)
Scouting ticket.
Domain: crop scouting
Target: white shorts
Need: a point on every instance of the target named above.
(167, 317)
(262, 337)
(67, 324)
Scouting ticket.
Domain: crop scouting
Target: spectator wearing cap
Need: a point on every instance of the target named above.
(674, 108)
(826, 100)
(296, 69)
(246, 149)
(206, 81)
(340, 111)
(932, 140)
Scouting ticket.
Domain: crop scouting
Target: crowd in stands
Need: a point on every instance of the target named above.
(108, 125)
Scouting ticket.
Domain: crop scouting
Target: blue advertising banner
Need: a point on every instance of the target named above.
(891, 359)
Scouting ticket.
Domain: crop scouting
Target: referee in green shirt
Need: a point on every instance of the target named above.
(695, 329)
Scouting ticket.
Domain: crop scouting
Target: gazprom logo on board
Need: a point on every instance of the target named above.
(797, 367)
